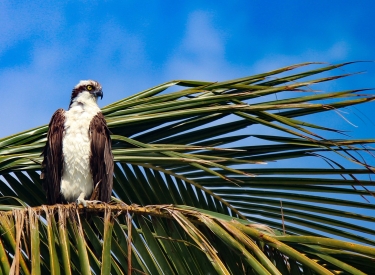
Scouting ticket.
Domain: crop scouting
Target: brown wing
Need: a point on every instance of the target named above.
(53, 158)
(101, 158)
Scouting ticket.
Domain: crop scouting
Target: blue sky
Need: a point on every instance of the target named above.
(46, 47)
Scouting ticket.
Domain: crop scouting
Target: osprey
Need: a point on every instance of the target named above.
(78, 161)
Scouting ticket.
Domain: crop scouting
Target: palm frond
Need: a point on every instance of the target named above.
(200, 149)
(164, 239)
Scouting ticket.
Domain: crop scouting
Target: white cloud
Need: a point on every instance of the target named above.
(201, 38)
(201, 54)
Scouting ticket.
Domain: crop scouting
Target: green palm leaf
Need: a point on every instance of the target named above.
(192, 191)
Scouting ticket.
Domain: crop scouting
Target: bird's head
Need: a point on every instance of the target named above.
(87, 90)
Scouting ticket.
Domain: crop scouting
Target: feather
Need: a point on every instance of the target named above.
(53, 158)
(101, 158)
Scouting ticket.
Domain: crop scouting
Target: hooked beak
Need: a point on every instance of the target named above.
(99, 93)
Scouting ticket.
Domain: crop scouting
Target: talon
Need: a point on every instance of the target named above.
(82, 202)
(86, 202)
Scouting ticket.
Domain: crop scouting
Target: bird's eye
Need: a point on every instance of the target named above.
(89, 87)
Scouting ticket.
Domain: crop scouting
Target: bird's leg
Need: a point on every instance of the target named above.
(81, 200)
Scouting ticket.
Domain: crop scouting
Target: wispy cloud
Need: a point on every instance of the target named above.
(201, 53)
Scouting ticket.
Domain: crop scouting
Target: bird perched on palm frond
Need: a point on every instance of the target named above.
(78, 161)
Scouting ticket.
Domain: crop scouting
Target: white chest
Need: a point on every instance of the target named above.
(77, 176)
